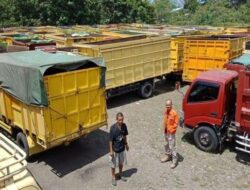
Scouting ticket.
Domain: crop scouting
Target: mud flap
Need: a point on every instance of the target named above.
(222, 139)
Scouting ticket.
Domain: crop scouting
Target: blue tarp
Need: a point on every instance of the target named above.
(244, 59)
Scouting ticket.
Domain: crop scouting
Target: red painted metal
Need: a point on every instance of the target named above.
(200, 112)
(234, 95)
(220, 76)
(242, 115)
(196, 113)
(235, 67)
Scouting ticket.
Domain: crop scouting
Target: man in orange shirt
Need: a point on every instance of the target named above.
(170, 126)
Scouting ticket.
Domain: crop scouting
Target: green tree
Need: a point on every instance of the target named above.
(6, 14)
(68, 13)
(163, 10)
(214, 12)
(191, 5)
(61, 12)
(142, 11)
(120, 11)
(25, 12)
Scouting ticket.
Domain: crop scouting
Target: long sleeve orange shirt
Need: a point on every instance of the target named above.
(170, 122)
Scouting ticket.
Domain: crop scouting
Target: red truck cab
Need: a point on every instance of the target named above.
(217, 106)
(207, 98)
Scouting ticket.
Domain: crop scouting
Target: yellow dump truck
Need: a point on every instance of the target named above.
(177, 53)
(50, 99)
(6, 39)
(13, 167)
(209, 52)
(132, 63)
(67, 40)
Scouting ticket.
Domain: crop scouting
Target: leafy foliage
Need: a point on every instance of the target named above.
(61, 12)
(214, 12)
(71, 12)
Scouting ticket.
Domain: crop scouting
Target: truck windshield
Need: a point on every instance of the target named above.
(204, 91)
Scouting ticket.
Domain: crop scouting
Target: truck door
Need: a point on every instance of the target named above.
(202, 104)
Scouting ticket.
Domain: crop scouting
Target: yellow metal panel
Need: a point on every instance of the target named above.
(5, 127)
(66, 40)
(27, 118)
(82, 80)
(115, 34)
(33, 121)
(8, 106)
(194, 66)
(73, 101)
(233, 30)
(17, 114)
(203, 54)
(94, 78)
(7, 40)
(177, 53)
(132, 60)
(77, 106)
(2, 104)
(207, 49)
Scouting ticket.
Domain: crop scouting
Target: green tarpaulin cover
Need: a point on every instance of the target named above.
(244, 60)
(21, 73)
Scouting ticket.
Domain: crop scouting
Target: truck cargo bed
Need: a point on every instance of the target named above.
(207, 53)
(130, 60)
(76, 105)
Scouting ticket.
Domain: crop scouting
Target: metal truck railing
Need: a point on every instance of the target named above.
(14, 156)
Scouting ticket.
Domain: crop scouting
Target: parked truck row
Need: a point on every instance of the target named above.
(189, 54)
(54, 98)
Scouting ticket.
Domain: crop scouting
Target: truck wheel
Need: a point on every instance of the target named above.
(206, 139)
(146, 90)
(22, 142)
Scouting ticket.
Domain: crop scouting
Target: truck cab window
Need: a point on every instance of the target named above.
(204, 91)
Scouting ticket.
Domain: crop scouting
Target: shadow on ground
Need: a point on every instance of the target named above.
(180, 157)
(66, 159)
(188, 137)
(241, 157)
(128, 173)
(161, 87)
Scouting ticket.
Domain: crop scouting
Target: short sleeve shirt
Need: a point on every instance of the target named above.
(117, 137)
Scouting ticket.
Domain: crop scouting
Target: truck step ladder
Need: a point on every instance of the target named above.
(244, 143)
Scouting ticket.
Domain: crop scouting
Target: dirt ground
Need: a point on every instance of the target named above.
(84, 163)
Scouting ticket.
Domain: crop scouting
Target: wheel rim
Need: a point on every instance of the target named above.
(205, 139)
(147, 90)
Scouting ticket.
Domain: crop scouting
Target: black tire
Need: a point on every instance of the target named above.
(146, 90)
(206, 139)
(22, 142)
(108, 95)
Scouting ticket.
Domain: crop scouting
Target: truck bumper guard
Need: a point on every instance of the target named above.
(244, 143)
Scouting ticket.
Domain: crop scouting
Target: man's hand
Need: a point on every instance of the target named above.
(127, 147)
(111, 154)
